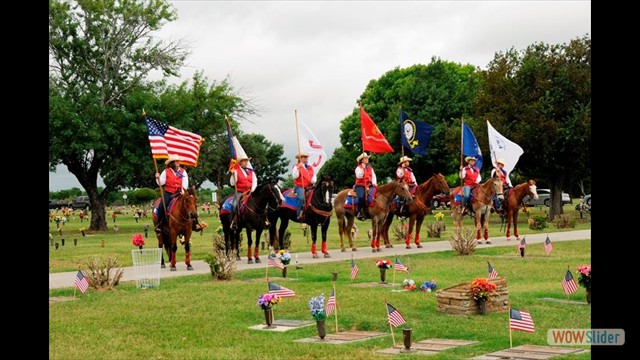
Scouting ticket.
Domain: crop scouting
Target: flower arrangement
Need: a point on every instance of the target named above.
(481, 289)
(383, 264)
(584, 276)
(409, 284)
(428, 286)
(284, 257)
(266, 301)
(316, 305)
(137, 240)
(439, 216)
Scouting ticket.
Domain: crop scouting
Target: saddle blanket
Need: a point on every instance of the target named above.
(352, 199)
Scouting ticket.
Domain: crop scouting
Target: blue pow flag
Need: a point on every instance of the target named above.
(415, 134)
(470, 146)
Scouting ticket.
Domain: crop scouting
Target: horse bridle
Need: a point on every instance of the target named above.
(268, 206)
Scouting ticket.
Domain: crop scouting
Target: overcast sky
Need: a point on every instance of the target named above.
(317, 57)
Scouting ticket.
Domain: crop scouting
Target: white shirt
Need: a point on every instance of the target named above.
(360, 175)
(463, 174)
(234, 179)
(493, 172)
(295, 173)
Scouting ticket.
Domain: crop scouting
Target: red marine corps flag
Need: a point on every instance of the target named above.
(372, 139)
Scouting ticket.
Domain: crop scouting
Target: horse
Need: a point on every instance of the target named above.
(416, 210)
(513, 203)
(182, 213)
(252, 215)
(481, 202)
(378, 211)
(318, 212)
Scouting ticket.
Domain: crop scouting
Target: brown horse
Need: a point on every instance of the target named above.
(481, 202)
(378, 212)
(183, 214)
(513, 203)
(416, 210)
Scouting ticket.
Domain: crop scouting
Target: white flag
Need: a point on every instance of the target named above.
(310, 144)
(240, 151)
(502, 148)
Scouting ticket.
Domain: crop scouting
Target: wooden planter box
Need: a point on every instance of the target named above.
(458, 300)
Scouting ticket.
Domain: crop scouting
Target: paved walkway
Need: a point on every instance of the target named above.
(65, 279)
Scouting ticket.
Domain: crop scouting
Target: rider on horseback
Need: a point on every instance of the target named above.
(470, 176)
(245, 180)
(175, 180)
(365, 177)
(303, 177)
(506, 185)
(404, 172)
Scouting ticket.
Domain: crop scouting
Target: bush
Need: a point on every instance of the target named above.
(400, 230)
(564, 221)
(98, 272)
(463, 241)
(537, 222)
(222, 267)
(434, 230)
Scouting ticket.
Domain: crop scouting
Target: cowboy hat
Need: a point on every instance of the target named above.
(302, 154)
(403, 159)
(500, 161)
(362, 156)
(469, 158)
(243, 157)
(171, 158)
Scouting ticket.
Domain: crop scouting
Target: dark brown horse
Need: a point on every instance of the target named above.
(416, 210)
(252, 215)
(317, 213)
(481, 202)
(378, 212)
(182, 212)
(513, 203)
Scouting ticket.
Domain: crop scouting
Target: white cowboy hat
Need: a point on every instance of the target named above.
(362, 156)
(243, 157)
(171, 158)
(469, 158)
(403, 159)
(500, 161)
(302, 154)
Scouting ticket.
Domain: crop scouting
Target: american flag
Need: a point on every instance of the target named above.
(354, 269)
(520, 320)
(331, 302)
(274, 262)
(395, 318)
(81, 282)
(547, 245)
(569, 284)
(280, 290)
(165, 139)
(492, 271)
(398, 266)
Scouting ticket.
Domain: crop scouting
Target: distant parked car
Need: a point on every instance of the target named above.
(440, 200)
(544, 198)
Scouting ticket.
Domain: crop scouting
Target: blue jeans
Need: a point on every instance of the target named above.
(360, 190)
(466, 191)
(160, 208)
(300, 195)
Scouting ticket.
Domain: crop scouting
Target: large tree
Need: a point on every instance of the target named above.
(540, 98)
(439, 93)
(99, 53)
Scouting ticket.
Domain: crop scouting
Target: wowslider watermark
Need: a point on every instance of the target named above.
(585, 337)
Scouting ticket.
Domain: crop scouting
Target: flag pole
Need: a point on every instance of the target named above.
(351, 277)
(155, 165)
(393, 282)
(567, 295)
(390, 326)
(295, 112)
(297, 265)
(510, 336)
(461, 147)
(401, 132)
(335, 309)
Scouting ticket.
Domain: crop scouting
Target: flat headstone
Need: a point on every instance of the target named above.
(344, 337)
(428, 346)
(371, 284)
(282, 325)
(530, 352)
(565, 301)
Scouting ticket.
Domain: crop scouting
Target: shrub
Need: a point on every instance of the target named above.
(463, 241)
(222, 267)
(564, 221)
(537, 222)
(400, 230)
(98, 272)
(434, 230)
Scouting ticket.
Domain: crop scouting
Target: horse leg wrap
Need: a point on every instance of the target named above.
(313, 249)
(373, 243)
(478, 234)
(324, 247)
(486, 234)
(417, 240)
(407, 239)
(249, 253)
(256, 252)
(188, 258)
(378, 242)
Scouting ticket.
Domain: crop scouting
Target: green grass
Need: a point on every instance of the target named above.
(195, 317)
(118, 244)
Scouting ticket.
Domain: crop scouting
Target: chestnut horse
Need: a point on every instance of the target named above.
(513, 203)
(378, 211)
(182, 212)
(317, 213)
(481, 203)
(417, 209)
